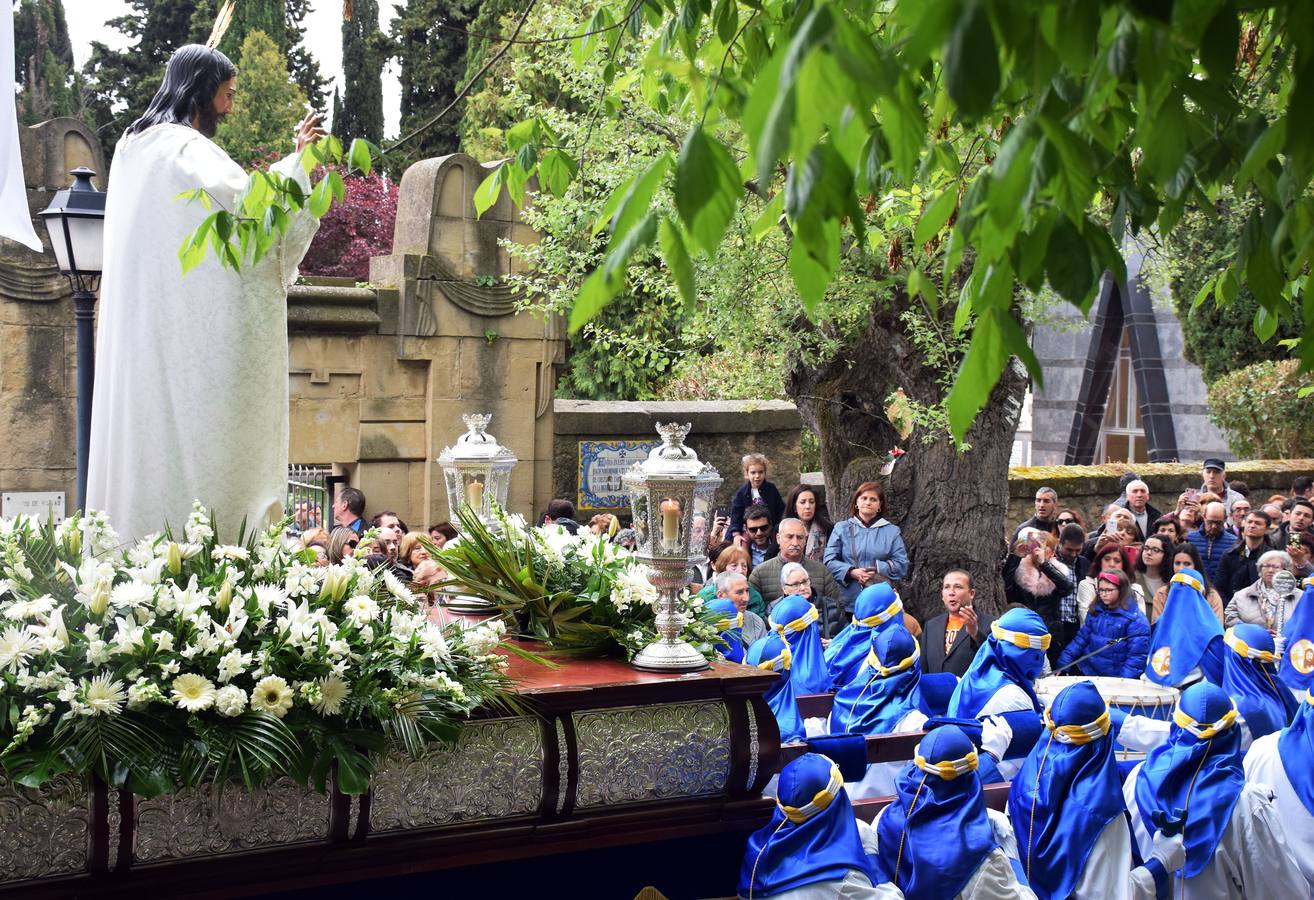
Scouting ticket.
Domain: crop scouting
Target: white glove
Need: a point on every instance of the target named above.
(1279, 645)
(996, 735)
(1170, 851)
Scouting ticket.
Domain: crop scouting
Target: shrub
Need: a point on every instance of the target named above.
(1261, 413)
(354, 230)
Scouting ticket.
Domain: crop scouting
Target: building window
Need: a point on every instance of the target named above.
(1122, 439)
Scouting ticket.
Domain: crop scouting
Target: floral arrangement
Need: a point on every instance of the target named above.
(579, 593)
(175, 662)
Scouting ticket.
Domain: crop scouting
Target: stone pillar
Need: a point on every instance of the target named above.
(381, 375)
(38, 349)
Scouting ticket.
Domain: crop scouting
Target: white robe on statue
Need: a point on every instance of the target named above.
(191, 398)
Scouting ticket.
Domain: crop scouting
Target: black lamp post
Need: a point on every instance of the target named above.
(75, 220)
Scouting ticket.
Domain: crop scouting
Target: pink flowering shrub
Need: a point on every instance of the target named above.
(354, 230)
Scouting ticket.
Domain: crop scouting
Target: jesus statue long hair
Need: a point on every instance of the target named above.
(191, 81)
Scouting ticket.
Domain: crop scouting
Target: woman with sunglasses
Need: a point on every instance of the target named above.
(1069, 517)
(342, 543)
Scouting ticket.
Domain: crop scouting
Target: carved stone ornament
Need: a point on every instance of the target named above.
(205, 821)
(637, 753)
(495, 771)
(43, 832)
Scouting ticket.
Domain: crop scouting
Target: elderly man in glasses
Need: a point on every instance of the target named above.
(771, 582)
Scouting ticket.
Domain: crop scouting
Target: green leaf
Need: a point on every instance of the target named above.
(707, 188)
(1262, 149)
(677, 261)
(361, 155)
(488, 191)
(769, 220)
(727, 20)
(602, 286)
(1068, 264)
(971, 62)
(634, 202)
(321, 198)
(935, 214)
(810, 277)
(1265, 324)
(1218, 47)
(556, 170)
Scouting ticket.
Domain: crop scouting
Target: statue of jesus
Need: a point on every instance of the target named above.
(191, 397)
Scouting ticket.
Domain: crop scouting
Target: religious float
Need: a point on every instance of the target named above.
(227, 719)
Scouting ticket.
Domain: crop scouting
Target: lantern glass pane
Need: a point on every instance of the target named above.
(88, 236)
(55, 228)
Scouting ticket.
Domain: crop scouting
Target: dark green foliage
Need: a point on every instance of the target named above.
(269, 16)
(359, 113)
(433, 65)
(1218, 338)
(300, 62)
(43, 64)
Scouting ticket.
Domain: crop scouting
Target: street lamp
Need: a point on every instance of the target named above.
(477, 470)
(667, 492)
(75, 221)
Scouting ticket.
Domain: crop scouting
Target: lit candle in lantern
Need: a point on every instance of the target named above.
(671, 524)
(474, 495)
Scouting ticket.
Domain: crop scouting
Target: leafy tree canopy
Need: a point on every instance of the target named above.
(1036, 134)
(360, 111)
(43, 64)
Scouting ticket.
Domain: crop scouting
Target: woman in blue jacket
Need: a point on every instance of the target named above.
(1116, 617)
(865, 548)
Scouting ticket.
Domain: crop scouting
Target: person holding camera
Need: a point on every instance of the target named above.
(1035, 579)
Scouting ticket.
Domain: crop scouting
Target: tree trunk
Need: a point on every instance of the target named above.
(951, 506)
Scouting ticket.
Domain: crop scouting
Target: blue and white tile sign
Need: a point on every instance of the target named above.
(602, 465)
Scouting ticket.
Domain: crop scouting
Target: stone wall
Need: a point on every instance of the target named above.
(722, 432)
(1088, 489)
(38, 349)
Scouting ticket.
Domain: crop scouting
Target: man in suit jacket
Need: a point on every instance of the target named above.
(792, 537)
(950, 640)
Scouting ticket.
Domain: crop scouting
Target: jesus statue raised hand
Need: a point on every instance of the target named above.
(191, 397)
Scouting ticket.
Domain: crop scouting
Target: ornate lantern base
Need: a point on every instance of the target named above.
(669, 653)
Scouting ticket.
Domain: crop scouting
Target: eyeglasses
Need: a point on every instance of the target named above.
(794, 584)
(757, 529)
(1150, 548)
(1271, 566)
(1107, 588)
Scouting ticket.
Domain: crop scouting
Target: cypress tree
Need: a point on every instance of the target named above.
(359, 113)
(432, 70)
(43, 64)
(269, 16)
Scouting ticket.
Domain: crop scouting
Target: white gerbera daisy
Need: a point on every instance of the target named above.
(230, 700)
(272, 695)
(361, 609)
(103, 695)
(16, 646)
(193, 693)
(332, 692)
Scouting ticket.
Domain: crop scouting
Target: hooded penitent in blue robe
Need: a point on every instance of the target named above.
(731, 628)
(1297, 668)
(1183, 633)
(1197, 772)
(794, 618)
(1013, 654)
(772, 654)
(1250, 677)
(1296, 750)
(885, 689)
(812, 836)
(877, 608)
(1066, 793)
(936, 833)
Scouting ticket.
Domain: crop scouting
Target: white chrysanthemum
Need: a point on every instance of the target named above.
(361, 609)
(193, 692)
(433, 643)
(633, 588)
(301, 580)
(483, 638)
(332, 692)
(396, 588)
(232, 664)
(230, 700)
(132, 595)
(272, 695)
(103, 695)
(269, 596)
(20, 610)
(16, 647)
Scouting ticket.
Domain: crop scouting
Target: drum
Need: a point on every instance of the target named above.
(1131, 695)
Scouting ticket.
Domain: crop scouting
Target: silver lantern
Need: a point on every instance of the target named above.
(477, 470)
(671, 497)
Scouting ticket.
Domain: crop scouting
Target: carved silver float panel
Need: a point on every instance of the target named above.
(495, 771)
(635, 753)
(205, 821)
(43, 832)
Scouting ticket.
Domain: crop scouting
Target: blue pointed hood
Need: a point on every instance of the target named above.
(795, 619)
(877, 608)
(1250, 677)
(885, 688)
(730, 626)
(1013, 654)
(1183, 633)
(773, 654)
(1296, 743)
(1298, 658)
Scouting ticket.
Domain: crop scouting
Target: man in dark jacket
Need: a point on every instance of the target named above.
(1138, 503)
(950, 640)
(1211, 541)
(1239, 567)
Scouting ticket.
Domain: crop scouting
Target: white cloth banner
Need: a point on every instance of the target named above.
(15, 222)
